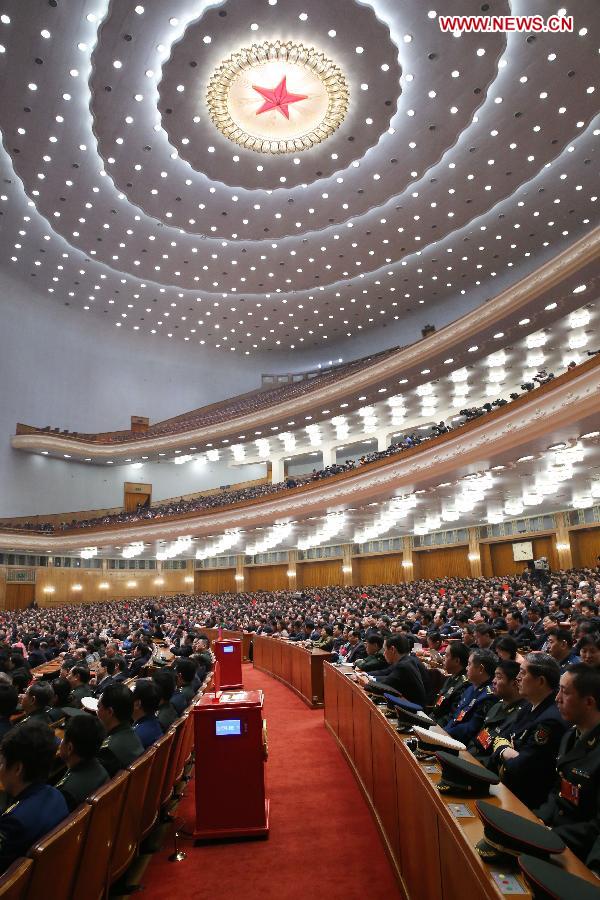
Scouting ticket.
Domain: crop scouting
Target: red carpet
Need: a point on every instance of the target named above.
(322, 839)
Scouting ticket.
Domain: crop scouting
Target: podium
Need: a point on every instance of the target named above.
(231, 751)
(228, 654)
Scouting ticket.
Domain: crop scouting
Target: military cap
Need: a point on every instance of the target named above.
(507, 834)
(459, 776)
(378, 690)
(408, 713)
(431, 742)
(548, 882)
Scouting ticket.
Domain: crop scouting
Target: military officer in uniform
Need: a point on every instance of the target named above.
(474, 704)
(122, 745)
(79, 678)
(26, 755)
(524, 754)
(573, 807)
(455, 663)
(374, 660)
(36, 700)
(502, 713)
(85, 774)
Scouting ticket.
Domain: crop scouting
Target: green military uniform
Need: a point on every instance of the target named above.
(573, 808)
(449, 697)
(40, 715)
(82, 780)
(121, 747)
(167, 714)
(188, 692)
(501, 714)
(372, 663)
(78, 693)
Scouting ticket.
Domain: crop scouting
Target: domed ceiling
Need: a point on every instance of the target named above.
(266, 174)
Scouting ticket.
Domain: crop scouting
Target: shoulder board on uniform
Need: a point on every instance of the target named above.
(11, 807)
(105, 744)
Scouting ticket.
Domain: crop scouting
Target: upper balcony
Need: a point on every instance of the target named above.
(540, 451)
(534, 303)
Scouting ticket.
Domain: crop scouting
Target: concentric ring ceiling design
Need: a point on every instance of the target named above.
(235, 97)
(461, 163)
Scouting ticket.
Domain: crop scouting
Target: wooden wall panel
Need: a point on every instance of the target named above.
(121, 585)
(18, 596)
(446, 562)
(266, 578)
(378, 569)
(585, 546)
(501, 555)
(215, 581)
(319, 573)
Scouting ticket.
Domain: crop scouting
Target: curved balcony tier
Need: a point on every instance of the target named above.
(575, 269)
(564, 408)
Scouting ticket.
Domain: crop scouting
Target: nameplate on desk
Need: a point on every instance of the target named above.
(507, 884)
(460, 811)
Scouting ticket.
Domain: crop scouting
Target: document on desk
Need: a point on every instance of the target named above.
(460, 811)
(508, 884)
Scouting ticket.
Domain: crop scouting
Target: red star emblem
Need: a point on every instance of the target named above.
(277, 98)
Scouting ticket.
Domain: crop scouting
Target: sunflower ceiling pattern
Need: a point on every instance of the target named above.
(459, 160)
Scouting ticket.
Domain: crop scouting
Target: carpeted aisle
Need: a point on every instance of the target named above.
(322, 842)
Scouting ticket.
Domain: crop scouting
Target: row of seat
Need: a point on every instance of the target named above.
(95, 845)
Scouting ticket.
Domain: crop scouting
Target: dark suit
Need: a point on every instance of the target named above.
(406, 678)
(535, 735)
(359, 651)
(573, 807)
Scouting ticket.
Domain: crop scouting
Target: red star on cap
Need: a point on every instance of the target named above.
(277, 98)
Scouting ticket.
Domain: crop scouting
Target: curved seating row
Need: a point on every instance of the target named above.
(95, 845)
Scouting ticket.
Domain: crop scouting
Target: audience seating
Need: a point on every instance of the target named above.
(14, 884)
(162, 750)
(106, 805)
(170, 773)
(128, 829)
(57, 856)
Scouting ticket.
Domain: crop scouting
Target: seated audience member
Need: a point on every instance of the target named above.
(325, 642)
(36, 700)
(146, 699)
(79, 678)
(35, 657)
(524, 754)
(166, 683)
(573, 807)
(401, 673)
(9, 699)
(141, 658)
(105, 673)
(502, 713)
(589, 650)
(78, 750)
(121, 745)
(560, 646)
(506, 648)
(121, 671)
(374, 660)
(26, 756)
(355, 649)
(468, 636)
(185, 670)
(61, 691)
(521, 633)
(456, 659)
(434, 645)
(476, 701)
(484, 636)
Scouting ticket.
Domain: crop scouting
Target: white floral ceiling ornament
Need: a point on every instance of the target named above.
(277, 97)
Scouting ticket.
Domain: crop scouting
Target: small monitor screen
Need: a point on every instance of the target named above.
(226, 727)
(228, 648)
